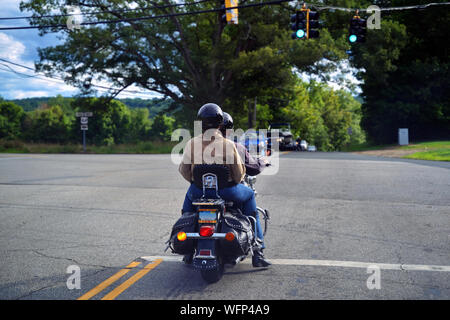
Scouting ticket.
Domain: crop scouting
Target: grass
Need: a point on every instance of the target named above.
(430, 150)
(144, 147)
(364, 147)
(426, 150)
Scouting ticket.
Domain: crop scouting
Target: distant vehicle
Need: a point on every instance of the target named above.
(285, 139)
(312, 148)
(303, 145)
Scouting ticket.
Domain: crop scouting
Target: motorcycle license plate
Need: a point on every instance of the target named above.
(207, 216)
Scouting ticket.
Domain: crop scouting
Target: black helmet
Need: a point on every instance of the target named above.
(211, 116)
(227, 123)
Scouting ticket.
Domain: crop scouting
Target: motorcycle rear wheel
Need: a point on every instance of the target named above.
(213, 275)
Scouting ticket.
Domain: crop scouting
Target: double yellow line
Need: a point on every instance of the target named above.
(123, 286)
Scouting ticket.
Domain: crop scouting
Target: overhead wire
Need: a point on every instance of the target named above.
(259, 4)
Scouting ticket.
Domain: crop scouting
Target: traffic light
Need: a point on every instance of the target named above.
(357, 31)
(304, 24)
(313, 24)
(229, 16)
(299, 24)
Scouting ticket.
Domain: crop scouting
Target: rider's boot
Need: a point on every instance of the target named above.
(258, 259)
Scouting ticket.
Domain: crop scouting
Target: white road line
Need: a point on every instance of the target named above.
(14, 158)
(330, 263)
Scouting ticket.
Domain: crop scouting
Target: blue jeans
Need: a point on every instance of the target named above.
(239, 194)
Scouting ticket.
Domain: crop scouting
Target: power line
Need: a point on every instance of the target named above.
(108, 11)
(318, 7)
(420, 6)
(52, 79)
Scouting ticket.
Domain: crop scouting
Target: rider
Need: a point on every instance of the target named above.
(211, 116)
(253, 166)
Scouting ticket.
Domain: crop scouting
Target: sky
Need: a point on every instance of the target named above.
(20, 46)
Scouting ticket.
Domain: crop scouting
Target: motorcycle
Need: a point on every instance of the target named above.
(217, 233)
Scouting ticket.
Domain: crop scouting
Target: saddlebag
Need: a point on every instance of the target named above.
(241, 226)
(186, 223)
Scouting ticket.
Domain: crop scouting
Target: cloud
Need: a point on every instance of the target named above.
(10, 49)
(20, 46)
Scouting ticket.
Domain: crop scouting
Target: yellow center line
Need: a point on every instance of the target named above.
(126, 284)
(108, 281)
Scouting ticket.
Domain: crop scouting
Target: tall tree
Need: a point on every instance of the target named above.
(406, 74)
(192, 59)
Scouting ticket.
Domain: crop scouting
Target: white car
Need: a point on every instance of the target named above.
(312, 148)
(303, 145)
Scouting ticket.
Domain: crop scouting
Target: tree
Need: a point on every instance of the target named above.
(405, 68)
(110, 122)
(47, 124)
(193, 59)
(11, 117)
(140, 125)
(162, 127)
(322, 116)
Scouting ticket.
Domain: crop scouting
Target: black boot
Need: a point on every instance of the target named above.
(258, 259)
(188, 258)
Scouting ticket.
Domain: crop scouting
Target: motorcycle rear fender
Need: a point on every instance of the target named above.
(206, 244)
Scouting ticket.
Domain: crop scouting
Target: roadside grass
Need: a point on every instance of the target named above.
(365, 147)
(426, 150)
(143, 147)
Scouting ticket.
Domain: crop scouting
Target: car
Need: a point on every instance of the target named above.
(311, 148)
(285, 139)
(303, 145)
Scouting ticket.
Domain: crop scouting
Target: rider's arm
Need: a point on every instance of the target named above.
(185, 167)
(238, 167)
(253, 166)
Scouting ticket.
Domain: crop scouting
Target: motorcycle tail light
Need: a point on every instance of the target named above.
(229, 236)
(206, 231)
(205, 252)
(181, 236)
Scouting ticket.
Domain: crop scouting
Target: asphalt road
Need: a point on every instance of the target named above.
(338, 221)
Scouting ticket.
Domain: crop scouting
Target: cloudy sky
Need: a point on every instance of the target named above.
(20, 46)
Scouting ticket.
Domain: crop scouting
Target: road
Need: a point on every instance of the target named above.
(339, 221)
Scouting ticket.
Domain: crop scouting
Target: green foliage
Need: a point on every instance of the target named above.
(322, 116)
(11, 117)
(405, 68)
(192, 59)
(110, 123)
(47, 124)
(162, 127)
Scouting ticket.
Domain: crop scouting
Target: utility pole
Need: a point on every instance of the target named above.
(252, 114)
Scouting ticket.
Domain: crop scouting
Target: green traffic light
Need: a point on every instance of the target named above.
(300, 33)
(352, 38)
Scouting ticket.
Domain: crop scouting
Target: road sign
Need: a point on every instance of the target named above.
(84, 127)
(84, 120)
(83, 114)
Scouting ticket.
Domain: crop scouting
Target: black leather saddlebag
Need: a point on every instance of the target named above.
(186, 223)
(241, 226)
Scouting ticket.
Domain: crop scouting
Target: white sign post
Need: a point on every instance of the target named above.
(403, 137)
(84, 119)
